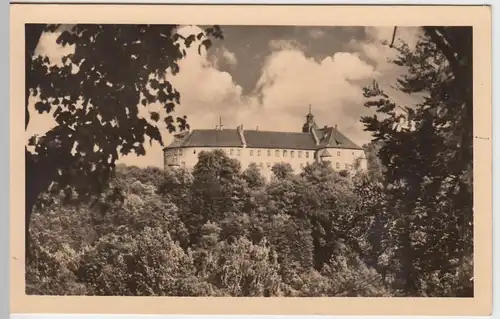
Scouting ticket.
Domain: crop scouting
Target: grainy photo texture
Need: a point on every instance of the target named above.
(263, 161)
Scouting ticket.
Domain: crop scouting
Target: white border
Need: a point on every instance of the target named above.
(5, 161)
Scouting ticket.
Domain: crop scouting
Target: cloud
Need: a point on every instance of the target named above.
(290, 82)
(280, 44)
(221, 58)
(380, 53)
(229, 57)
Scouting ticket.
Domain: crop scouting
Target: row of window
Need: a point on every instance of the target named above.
(269, 165)
(277, 153)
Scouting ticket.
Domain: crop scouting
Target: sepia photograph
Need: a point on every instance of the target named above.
(248, 160)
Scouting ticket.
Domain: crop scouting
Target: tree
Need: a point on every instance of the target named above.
(217, 189)
(147, 263)
(253, 177)
(282, 171)
(95, 97)
(374, 165)
(427, 155)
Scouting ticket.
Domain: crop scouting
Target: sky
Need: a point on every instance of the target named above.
(266, 77)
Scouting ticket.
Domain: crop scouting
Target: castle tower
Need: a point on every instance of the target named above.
(309, 124)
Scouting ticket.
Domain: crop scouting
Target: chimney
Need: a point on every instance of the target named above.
(335, 126)
(257, 128)
(220, 123)
(242, 136)
(216, 127)
(316, 139)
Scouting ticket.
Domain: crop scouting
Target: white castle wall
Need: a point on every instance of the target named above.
(341, 159)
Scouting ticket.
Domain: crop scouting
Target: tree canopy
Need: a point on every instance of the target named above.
(426, 153)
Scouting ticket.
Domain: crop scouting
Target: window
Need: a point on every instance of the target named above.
(346, 166)
(292, 153)
(277, 153)
(285, 153)
(352, 153)
(251, 152)
(238, 152)
(268, 165)
(307, 154)
(231, 152)
(261, 165)
(338, 153)
(268, 152)
(258, 153)
(338, 165)
(300, 154)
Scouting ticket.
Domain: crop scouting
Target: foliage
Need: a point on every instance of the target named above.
(282, 170)
(426, 156)
(97, 103)
(403, 228)
(215, 233)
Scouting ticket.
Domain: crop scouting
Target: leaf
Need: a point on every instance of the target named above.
(169, 107)
(42, 107)
(205, 43)
(32, 140)
(155, 116)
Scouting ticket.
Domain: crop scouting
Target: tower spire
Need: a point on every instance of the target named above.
(309, 124)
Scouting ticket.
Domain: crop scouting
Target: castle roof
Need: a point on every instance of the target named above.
(327, 136)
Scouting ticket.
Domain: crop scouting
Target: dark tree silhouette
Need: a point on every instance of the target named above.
(95, 96)
(426, 153)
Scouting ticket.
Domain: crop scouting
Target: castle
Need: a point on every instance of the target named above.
(266, 148)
